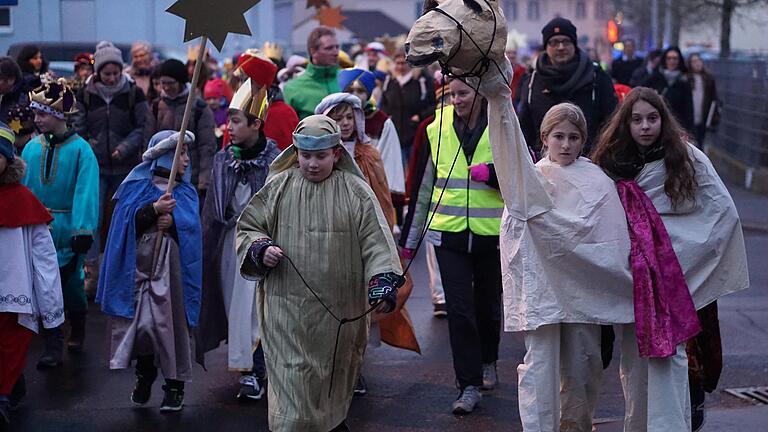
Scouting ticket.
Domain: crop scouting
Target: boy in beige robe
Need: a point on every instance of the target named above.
(316, 219)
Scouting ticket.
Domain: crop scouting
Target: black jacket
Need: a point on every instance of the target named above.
(580, 82)
(622, 70)
(679, 96)
(114, 125)
(416, 97)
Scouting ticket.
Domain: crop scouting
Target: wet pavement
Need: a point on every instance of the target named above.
(406, 391)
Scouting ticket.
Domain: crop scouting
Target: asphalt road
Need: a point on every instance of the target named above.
(407, 392)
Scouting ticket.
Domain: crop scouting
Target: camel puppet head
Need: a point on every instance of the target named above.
(435, 36)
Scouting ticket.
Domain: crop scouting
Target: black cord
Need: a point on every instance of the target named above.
(341, 321)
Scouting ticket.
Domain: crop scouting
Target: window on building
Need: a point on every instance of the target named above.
(533, 10)
(5, 20)
(600, 10)
(581, 9)
(511, 10)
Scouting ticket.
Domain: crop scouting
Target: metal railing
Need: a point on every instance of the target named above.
(742, 87)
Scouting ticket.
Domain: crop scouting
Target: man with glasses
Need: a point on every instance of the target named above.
(564, 73)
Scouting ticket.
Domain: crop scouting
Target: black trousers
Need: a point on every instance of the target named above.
(472, 283)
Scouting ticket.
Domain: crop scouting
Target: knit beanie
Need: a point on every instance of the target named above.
(175, 69)
(106, 53)
(7, 138)
(559, 26)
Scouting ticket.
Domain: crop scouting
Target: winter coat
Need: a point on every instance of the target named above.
(622, 70)
(115, 124)
(167, 113)
(580, 82)
(678, 95)
(304, 92)
(416, 97)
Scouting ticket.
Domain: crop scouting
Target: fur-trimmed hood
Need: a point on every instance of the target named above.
(14, 172)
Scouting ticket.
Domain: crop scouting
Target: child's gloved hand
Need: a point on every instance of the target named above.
(480, 172)
(383, 287)
(406, 253)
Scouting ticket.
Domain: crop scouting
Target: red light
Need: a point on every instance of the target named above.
(613, 32)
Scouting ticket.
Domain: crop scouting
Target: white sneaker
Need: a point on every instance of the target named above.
(467, 400)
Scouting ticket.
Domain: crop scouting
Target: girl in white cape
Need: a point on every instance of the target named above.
(566, 272)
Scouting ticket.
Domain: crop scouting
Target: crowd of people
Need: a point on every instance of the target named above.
(302, 182)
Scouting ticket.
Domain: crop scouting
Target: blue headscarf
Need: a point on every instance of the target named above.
(348, 76)
(118, 269)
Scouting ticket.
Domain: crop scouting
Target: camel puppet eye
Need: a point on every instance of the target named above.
(437, 43)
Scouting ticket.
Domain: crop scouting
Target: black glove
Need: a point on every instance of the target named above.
(81, 243)
(384, 287)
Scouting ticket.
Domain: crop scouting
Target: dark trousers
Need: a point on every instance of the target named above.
(472, 283)
(699, 133)
(259, 369)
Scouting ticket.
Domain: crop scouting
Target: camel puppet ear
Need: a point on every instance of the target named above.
(474, 5)
(429, 5)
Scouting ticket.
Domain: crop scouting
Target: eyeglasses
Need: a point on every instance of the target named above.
(553, 43)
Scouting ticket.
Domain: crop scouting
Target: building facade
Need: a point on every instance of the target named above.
(124, 21)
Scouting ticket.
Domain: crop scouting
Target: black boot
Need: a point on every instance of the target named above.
(146, 372)
(54, 349)
(77, 334)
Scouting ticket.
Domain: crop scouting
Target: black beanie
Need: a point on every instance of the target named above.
(559, 26)
(175, 69)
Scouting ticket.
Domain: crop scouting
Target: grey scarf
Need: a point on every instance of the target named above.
(109, 92)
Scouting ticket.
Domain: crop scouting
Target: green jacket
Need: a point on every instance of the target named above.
(304, 92)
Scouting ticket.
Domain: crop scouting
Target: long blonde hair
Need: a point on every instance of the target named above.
(560, 113)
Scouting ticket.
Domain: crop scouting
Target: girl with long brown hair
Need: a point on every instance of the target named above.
(687, 251)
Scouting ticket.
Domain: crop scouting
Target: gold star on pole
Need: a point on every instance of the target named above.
(213, 18)
(317, 4)
(330, 17)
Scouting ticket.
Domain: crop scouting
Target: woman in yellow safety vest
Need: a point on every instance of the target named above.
(461, 189)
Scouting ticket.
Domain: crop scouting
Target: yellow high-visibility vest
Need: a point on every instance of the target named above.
(465, 203)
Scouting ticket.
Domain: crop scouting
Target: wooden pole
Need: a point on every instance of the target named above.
(182, 137)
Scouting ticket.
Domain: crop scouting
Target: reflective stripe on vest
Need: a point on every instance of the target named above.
(465, 203)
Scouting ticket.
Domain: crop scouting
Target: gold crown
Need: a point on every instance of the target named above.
(272, 50)
(56, 95)
(253, 104)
